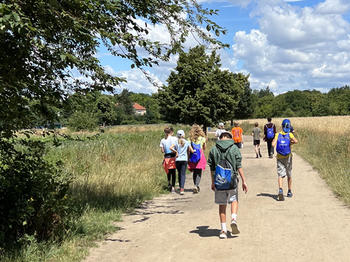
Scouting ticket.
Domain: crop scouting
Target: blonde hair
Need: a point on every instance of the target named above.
(195, 132)
(236, 123)
(181, 141)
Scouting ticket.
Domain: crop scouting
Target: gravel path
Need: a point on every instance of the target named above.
(311, 226)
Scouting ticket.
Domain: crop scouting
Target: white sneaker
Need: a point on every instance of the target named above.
(234, 227)
(195, 190)
(223, 235)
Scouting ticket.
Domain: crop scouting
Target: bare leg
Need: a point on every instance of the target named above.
(234, 207)
(290, 183)
(222, 213)
(280, 182)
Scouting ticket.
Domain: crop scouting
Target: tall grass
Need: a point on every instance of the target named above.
(113, 173)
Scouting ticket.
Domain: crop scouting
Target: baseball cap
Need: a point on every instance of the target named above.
(286, 125)
(221, 124)
(180, 133)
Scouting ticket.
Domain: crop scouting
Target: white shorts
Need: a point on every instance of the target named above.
(222, 197)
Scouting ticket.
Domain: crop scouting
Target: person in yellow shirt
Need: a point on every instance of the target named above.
(283, 142)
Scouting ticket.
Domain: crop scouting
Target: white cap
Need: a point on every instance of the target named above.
(180, 133)
(221, 124)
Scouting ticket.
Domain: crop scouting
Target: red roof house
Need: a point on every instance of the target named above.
(139, 109)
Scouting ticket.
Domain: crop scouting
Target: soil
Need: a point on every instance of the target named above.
(313, 225)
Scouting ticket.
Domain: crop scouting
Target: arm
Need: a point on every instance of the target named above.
(212, 180)
(172, 148)
(190, 149)
(274, 142)
(244, 184)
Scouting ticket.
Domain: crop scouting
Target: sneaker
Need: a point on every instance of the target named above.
(223, 235)
(195, 190)
(257, 156)
(271, 156)
(289, 194)
(198, 189)
(234, 227)
(260, 154)
(280, 196)
(182, 191)
(173, 190)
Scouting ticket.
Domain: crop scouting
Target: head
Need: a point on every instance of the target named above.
(167, 131)
(195, 132)
(286, 125)
(256, 124)
(221, 125)
(269, 119)
(181, 135)
(236, 123)
(225, 136)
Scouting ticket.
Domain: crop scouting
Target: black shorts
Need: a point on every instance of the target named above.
(256, 142)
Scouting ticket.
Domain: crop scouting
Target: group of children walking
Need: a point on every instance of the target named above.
(181, 154)
(225, 162)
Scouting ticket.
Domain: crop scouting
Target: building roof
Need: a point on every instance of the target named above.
(136, 106)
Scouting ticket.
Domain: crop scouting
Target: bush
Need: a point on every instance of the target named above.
(33, 192)
(83, 121)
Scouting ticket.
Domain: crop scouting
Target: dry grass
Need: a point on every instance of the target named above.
(325, 143)
(336, 125)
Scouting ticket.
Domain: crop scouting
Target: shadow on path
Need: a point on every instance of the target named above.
(205, 231)
(268, 195)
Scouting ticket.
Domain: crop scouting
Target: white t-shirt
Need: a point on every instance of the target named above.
(218, 132)
(167, 143)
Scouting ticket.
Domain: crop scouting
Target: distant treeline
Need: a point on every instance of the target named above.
(86, 111)
(301, 103)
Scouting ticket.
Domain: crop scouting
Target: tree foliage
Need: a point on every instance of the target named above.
(198, 91)
(302, 103)
(45, 43)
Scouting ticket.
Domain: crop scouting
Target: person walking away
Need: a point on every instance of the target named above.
(220, 130)
(283, 142)
(169, 157)
(269, 135)
(256, 139)
(182, 148)
(237, 133)
(197, 162)
(225, 156)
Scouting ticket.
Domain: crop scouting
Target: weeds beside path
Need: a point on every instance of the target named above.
(312, 226)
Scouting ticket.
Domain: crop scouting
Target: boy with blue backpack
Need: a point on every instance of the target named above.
(225, 163)
(283, 142)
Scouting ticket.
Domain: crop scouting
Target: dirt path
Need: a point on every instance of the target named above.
(312, 226)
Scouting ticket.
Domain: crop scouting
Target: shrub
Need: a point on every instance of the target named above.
(33, 192)
(83, 121)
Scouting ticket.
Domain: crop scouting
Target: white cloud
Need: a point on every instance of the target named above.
(296, 48)
(333, 7)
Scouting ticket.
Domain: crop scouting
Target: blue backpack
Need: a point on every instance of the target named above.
(283, 144)
(196, 155)
(270, 133)
(225, 178)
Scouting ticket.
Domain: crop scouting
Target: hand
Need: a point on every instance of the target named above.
(245, 187)
(212, 186)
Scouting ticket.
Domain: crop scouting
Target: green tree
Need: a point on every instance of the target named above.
(198, 91)
(245, 106)
(42, 41)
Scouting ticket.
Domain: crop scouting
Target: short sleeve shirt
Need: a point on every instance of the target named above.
(276, 137)
(182, 151)
(256, 133)
(200, 140)
(167, 143)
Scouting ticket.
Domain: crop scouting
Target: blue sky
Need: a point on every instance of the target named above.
(285, 45)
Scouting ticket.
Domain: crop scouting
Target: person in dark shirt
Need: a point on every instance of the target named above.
(269, 135)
